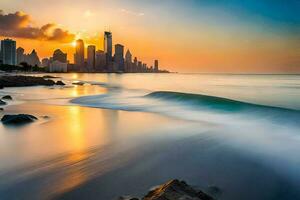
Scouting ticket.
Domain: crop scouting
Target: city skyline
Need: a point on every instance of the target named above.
(195, 36)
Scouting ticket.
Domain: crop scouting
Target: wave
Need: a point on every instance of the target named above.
(212, 102)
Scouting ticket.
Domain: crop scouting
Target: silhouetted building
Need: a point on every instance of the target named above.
(91, 57)
(119, 57)
(100, 61)
(108, 46)
(8, 52)
(79, 55)
(156, 66)
(46, 62)
(59, 56)
(128, 61)
(20, 55)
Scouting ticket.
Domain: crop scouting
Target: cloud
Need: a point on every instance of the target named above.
(19, 25)
(129, 12)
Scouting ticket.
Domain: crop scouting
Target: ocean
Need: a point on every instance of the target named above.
(121, 134)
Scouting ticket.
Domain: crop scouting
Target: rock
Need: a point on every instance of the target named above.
(1, 87)
(127, 198)
(78, 83)
(60, 83)
(173, 190)
(176, 190)
(22, 81)
(1, 109)
(2, 102)
(48, 76)
(18, 119)
(7, 97)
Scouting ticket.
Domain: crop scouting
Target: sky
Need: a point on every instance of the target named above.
(218, 36)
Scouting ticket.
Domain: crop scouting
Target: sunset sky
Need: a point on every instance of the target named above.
(186, 36)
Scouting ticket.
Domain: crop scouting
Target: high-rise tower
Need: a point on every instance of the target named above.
(8, 52)
(91, 57)
(79, 55)
(108, 45)
(119, 56)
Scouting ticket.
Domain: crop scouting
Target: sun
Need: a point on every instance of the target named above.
(74, 43)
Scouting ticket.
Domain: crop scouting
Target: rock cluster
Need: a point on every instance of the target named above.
(18, 119)
(21, 81)
(173, 190)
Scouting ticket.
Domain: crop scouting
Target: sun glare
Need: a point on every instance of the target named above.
(74, 43)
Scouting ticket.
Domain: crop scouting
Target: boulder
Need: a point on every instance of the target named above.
(78, 83)
(1, 109)
(173, 190)
(60, 83)
(2, 102)
(18, 119)
(7, 97)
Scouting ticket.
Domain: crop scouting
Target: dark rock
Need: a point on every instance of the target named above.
(1, 109)
(22, 81)
(48, 76)
(7, 97)
(174, 190)
(2, 102)
(60, 83)
(78, 83)
(1, 87)
(18, 119)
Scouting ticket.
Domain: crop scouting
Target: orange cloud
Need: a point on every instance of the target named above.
(18, 25)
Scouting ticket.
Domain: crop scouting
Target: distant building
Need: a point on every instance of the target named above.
(59, 56)
(156, 66)
(91, 57)
(119, 57)
(139, 66)
(20, 55)
(46, 62)
(100, 61)
(79, 55)
(32, 59)
(108, 46)
(128, 61)
(57, 66)
(8, 52)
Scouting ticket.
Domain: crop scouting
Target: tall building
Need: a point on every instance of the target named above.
(155, 65)
(20, 55)
(119, 57)
(91, 57)
(100, 61)
(8, 52)
(128, 61)
(59, 56)
(79, 55)
(108, 46)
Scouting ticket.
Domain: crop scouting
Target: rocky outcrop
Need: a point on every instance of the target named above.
(2, 103)
(173, 190)
(21, 81)
(18, 119)
(7, 97)
(60, 83)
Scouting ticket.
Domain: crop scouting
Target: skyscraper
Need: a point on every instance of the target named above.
(100, 61)
(128, 61)
(8, 52)
(155, 65)
(91, 57)
(108, 45)
(79, 55)
(119, 57)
